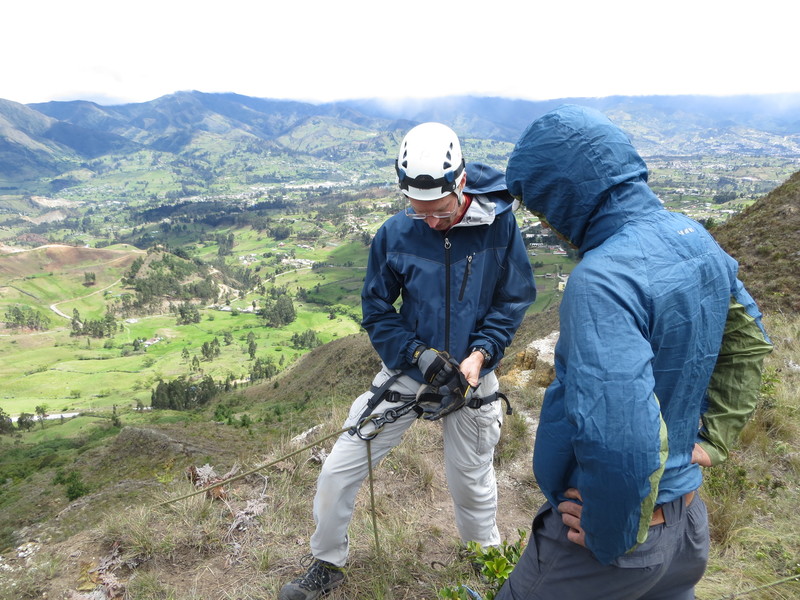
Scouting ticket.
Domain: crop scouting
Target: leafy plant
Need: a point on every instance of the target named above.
(460, 593)
(495, 563)
(74, 485)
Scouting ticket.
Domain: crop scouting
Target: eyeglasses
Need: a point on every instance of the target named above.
(418, 216)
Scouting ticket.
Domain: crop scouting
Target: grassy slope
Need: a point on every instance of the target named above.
(188, 550)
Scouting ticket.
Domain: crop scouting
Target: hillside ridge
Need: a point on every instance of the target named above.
(46, 139)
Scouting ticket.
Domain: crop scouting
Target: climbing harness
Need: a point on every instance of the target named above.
(478, 402)
(425, 403)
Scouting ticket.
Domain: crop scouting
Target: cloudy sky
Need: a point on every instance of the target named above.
(321, 50)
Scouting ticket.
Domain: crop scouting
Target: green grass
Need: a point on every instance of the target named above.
(88, 373)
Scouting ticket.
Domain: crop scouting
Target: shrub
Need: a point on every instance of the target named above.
(496, 564)
(74, 485)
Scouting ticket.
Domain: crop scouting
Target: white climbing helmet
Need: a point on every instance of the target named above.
(429, 165)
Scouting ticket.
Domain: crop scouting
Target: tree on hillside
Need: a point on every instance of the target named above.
(183, 394)
(225, 244)
(89, 279)
(25, 421)
(263, 368)
(75, 323)
(24, 316)
(6, 424)
(210, 350)
(308, 339)
(97, 328)
(279, 312)
(188, 313)
(281, 232)
(130, 276)
(41, 413)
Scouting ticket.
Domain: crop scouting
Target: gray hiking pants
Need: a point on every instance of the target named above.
(470, 436)
(665, 567)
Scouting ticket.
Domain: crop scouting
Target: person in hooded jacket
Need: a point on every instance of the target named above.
(456, 260)
(658, 367)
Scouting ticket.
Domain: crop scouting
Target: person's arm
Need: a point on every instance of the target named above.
(514, 292)
(733, 391)
(618, 436)
(392, 339)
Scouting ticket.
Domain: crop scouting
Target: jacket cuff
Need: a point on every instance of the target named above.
(716, 454)
(415, 348)
(487, 349)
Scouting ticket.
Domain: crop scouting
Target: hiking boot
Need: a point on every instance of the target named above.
(320, 579)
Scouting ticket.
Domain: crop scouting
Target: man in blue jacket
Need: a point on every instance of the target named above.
(456, 258)
(657, 336)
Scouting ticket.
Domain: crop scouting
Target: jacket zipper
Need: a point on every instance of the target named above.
(447, 294)
(467, 272)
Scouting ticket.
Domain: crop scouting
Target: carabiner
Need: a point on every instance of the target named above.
(380, 422)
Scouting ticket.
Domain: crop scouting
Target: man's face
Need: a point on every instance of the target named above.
(441, 213)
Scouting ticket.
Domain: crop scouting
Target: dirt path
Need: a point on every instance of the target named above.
(54, 307)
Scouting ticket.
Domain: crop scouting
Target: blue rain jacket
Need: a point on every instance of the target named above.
(469, 286)
(642, 320)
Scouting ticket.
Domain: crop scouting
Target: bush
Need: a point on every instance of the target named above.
(74, 486)
(496, 564)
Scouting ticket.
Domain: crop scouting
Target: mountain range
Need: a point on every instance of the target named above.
(47, 140)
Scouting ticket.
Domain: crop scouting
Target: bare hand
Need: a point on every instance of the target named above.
(471, 368)
(700, 456)
(571, 517)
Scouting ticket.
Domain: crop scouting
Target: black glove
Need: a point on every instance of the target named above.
(454, 395)
(451, 390)
(437, 367)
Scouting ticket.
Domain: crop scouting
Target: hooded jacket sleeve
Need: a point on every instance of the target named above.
(611, 424)
(733, 391)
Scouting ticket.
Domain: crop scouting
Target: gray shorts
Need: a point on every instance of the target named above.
(665, 567)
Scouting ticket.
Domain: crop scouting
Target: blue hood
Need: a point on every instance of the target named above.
(483, 179)
(489, 185)
(580, 173)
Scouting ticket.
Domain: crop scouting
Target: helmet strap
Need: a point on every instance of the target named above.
(448, 183)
